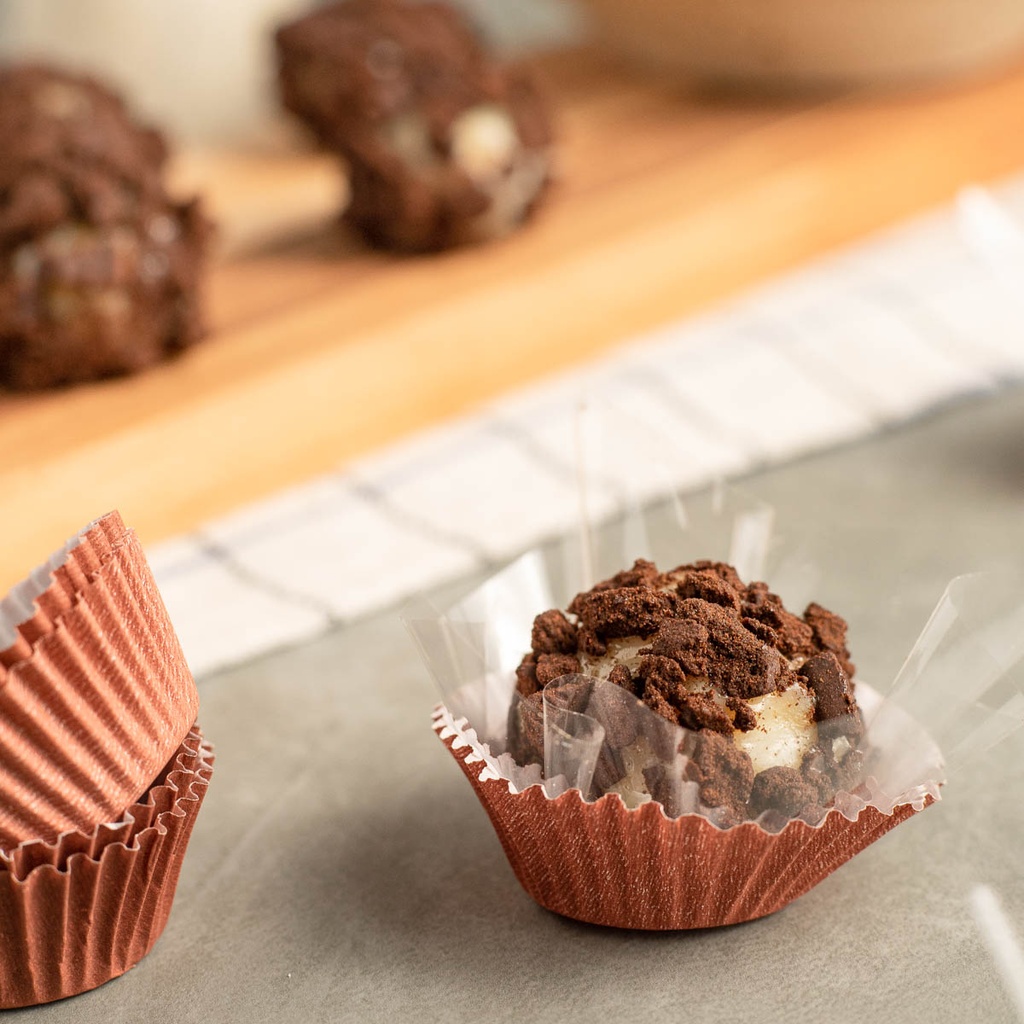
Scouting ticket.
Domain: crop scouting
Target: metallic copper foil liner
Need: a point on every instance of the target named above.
(100, 701)
(603, 864)
(87, 907)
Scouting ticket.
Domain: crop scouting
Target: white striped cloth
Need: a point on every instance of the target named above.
(863, 339)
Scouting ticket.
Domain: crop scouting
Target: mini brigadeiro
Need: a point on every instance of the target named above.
(444, 144)
(678, 749)
(103, 768)
(100, 269)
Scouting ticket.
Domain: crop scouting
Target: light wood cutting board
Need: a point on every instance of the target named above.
(321, 349)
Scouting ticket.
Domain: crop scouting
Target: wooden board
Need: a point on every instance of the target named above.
(322, 350)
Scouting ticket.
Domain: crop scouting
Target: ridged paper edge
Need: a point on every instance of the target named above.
(85, 908)
(52, 588)
(605, 864)
(88, 721)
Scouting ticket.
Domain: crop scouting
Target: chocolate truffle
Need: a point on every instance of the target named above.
(767, 696)
(99, 267)
(444, 145)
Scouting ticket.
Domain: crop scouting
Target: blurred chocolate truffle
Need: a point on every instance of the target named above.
(444, 144)
(99, 268)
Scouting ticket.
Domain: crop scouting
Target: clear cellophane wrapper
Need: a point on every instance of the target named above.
(84, 908)
(581, 829)
(95, 692)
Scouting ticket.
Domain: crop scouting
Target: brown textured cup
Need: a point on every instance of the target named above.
(100, 700)
(81, 910)
(603, 864)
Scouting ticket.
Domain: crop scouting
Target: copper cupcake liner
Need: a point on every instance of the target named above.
(54, 587)
(85, 908)
(604, 864)
(101, 701)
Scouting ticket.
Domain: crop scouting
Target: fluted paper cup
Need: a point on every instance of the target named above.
(98, 702)
(581, 851)
(605, 864)
(85, 908)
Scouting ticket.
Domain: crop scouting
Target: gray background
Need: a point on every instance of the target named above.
(342, 870)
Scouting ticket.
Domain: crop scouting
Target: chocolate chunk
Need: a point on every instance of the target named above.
(781, 789)
(553, 633)
(833, 695)
(444, 144)
(829, 632)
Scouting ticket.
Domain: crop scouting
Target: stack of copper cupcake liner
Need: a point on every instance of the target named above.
(595, 859)
(102, 768)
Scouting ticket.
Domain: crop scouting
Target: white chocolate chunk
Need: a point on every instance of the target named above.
(512, 194)
(484, 141)
(785, 729)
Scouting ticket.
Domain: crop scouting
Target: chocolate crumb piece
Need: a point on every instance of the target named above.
(526, 676)
(621, 676)
(744, 718)
(625, 611)
(526, 730)
(773, 723)
(551, 666)
(781, 789)
(849, 770)
(100, 270)
(829, 632)
(661, 784)
(709, 586)
(795, 637)
(444, 144)
(723, 771)
(553, 633)
(818, 772)
(708, 641)
(642, 574)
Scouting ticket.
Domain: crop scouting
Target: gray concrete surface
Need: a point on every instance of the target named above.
(343, 871)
